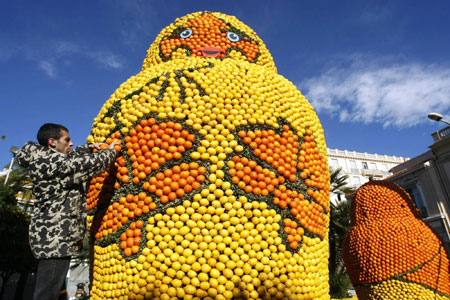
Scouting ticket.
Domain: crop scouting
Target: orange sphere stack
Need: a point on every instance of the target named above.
(389, 251)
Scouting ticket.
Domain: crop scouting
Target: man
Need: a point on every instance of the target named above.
(58, 222)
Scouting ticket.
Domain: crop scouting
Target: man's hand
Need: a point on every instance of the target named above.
(97, 146)
(100, 146)
(113, 146)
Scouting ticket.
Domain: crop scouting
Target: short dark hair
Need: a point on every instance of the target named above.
(48, 131)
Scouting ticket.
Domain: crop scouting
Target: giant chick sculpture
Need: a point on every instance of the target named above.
(221, 187)
(389, 252)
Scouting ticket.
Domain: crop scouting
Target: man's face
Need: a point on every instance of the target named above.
(62, 144)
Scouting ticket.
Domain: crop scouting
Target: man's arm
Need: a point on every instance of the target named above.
(24, 155)
(85, 148)
(78, 168)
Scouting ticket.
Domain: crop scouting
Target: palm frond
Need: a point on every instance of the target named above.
(337, 180)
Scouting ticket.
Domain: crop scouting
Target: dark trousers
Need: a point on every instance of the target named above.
(51, 275)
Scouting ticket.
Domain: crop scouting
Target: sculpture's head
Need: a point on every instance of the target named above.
(209, 35)
(381, 199)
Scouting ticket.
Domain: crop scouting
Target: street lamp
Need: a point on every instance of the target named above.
(13, 150)
(437, 117)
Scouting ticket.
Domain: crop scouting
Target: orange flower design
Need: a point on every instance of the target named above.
(148, 147)
(289, 172)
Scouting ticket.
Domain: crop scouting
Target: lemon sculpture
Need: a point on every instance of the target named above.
(221, 187)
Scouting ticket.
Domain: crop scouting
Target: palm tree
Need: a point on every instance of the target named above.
(339, 224)
(337, 180)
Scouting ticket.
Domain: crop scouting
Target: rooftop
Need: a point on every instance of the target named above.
(365, 155)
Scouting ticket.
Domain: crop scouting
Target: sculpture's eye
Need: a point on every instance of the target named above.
(186, 33)
(234, 37)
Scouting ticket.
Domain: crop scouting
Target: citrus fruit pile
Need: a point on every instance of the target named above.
(389, 252)
(221, 187)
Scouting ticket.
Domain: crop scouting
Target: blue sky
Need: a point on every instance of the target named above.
(372, 69)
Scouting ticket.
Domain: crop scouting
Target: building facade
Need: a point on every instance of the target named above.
(427, 179)
(360, 167)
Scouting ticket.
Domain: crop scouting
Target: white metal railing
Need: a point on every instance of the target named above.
(441, 134)
(373, 172)
(365, 156)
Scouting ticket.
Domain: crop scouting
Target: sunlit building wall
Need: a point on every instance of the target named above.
(360, 167)
(426, 178)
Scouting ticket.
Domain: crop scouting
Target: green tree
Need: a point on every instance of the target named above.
(15, 252)
(339, 224)
(18, 180)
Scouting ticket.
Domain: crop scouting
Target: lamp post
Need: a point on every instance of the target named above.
(437, 117)
(13, 150)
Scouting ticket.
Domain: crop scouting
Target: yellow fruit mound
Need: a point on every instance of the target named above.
(221, 187)
(397, 289)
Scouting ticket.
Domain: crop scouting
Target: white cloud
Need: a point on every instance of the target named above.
(107, 60)
(58, 54)
(380, 91)
(65, 48)
(48, 68)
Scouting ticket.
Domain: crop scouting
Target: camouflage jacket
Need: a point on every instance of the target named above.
(58, 222)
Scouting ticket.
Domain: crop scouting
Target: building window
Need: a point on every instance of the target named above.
(356, 181)
(364, 165)
(353, 164)
(416, 195)
(334, 162)
(373, 166)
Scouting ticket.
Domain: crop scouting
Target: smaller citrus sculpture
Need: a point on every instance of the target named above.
(389, 252)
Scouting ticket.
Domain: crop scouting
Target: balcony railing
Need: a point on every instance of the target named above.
(374, 173)
(441, 134)
(365, 156)
(354, 171)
